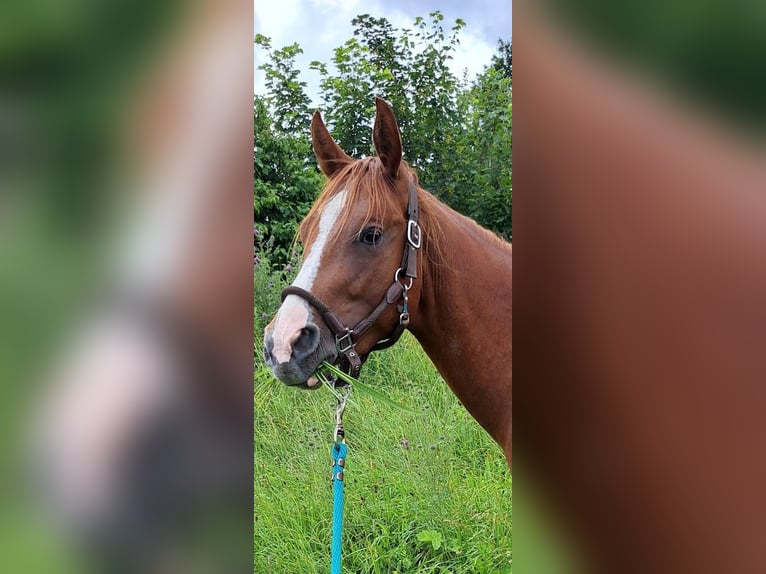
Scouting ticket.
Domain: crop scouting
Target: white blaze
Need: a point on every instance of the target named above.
(294, 312)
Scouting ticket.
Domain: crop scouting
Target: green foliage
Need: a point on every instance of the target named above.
(269, 277)
(409, 68)
(456, 134)
(433, 536)
(286, 181)
(503, 60)
(478, 174)
(287, 97)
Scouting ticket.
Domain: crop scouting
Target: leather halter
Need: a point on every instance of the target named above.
(346, 338)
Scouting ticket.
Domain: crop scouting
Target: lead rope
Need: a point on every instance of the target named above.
(338, 451)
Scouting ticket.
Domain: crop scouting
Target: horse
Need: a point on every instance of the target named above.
(374, 238)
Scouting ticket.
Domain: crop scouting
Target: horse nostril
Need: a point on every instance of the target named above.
(307, 341)
(268, 346)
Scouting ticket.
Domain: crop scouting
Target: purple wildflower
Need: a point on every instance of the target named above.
(405, 443)
(288, 267)
(256, 260)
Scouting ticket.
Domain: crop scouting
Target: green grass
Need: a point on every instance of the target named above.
(440, 504)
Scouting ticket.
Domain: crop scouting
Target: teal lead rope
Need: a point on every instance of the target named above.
(338, 452)
(339, 459)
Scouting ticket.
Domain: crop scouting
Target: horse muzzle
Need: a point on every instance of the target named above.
(295, 365)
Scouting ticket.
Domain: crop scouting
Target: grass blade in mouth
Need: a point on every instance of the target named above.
(365, 389)
(330, 386)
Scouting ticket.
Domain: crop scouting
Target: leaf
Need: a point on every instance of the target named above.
(433, 536)
(367, 389)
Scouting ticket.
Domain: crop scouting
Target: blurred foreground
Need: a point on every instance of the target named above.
(125, 286)
(639, 287)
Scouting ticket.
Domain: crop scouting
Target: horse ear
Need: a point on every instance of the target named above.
(386, 138)
(329, 155)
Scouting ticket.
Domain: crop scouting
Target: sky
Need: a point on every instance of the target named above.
(320, 26)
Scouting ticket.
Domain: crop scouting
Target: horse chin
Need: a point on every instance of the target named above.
(291, 375)
(311, 384)
(302, 375)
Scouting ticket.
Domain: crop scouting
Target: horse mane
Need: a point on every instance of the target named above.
(366, 180)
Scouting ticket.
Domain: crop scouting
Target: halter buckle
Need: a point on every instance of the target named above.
(413, 233)
(344, 342)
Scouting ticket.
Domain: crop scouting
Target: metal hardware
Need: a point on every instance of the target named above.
(344, 343)
(413, 239)
(340, 434)
(404, 316)
(408, 286)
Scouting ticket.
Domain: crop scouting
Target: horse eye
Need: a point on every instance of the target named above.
(371, 235)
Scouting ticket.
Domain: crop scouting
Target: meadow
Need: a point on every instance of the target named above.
(426, 492)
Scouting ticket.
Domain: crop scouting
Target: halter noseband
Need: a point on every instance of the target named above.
(346, 338)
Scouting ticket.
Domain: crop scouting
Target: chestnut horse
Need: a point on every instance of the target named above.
(453, 281)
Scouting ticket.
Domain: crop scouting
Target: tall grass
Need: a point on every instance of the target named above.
(427, 492)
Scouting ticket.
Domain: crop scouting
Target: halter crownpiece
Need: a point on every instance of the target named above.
(346, 338)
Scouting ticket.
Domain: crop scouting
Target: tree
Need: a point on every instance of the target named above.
(503, 60)
(286, 93)
(479, 169)
(286, 180)
(456, 134)
(407, 67)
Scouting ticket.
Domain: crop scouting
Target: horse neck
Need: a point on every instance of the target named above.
(463, 319)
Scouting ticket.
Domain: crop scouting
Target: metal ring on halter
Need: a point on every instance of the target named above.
(397, 278)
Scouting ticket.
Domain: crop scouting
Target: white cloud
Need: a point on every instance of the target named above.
(473, 54)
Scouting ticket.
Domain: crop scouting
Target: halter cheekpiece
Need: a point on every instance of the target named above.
(346, 338)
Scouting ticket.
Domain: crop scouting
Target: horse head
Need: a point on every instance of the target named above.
(352, 273)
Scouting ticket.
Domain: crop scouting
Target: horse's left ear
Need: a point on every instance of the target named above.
(386, 138)
(330, 156)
